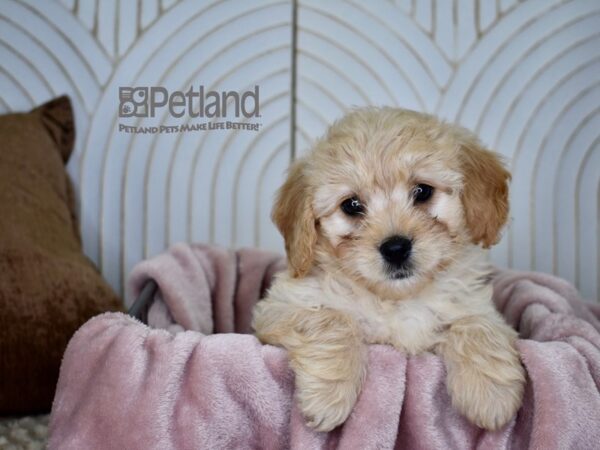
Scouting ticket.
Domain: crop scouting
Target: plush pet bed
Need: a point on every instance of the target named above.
(127, 385)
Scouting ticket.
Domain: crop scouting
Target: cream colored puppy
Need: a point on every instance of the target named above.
(386, 223)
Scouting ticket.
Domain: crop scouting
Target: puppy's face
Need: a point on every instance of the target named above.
(389, 198)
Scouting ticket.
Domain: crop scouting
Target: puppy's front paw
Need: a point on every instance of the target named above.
(488, 400)
(325, 404)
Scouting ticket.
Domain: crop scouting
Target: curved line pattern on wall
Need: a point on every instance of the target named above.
(521, 74)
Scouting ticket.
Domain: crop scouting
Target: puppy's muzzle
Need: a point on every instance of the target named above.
(396, 252)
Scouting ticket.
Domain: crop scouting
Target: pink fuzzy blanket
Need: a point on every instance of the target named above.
(124, 385)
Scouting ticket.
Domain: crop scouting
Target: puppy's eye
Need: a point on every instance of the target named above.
(422, 193)
(352, 206)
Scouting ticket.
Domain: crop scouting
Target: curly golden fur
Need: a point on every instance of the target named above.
(340, 294)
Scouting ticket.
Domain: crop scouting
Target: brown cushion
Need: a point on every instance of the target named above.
(48, 288)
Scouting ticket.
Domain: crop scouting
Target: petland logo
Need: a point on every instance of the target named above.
(148, 102)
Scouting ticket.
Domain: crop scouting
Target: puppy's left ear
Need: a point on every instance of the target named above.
(293, 214)
(485, 192)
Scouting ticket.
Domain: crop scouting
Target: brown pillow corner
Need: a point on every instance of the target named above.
(58, 119)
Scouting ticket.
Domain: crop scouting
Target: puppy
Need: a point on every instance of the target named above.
(386, 223)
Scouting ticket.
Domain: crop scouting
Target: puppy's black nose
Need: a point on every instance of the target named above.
(396, 250)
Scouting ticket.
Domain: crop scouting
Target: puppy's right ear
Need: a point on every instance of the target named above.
(293, 214)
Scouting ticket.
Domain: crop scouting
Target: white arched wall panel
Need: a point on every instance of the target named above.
(522, 74)
(137, 191)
